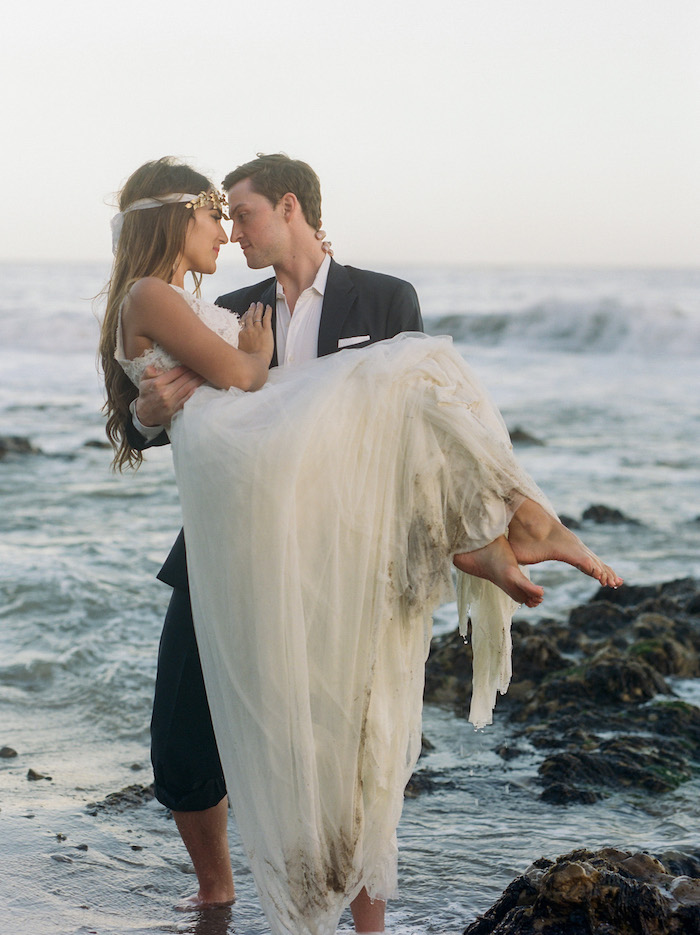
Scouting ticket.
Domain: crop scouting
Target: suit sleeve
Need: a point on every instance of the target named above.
(404, 310)
(138, 442)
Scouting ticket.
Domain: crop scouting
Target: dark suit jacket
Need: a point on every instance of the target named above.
(356, 302)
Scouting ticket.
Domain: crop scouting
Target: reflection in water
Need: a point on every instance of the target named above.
(210, 922)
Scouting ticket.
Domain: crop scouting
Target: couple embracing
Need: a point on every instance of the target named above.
(332, 463)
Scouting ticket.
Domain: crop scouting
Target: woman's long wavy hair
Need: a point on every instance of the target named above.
(150, 244)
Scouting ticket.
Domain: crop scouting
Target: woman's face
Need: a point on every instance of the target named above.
(203, 239)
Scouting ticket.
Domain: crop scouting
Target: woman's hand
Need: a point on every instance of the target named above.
(256, 332)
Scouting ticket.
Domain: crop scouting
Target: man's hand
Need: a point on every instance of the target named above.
(162, 393)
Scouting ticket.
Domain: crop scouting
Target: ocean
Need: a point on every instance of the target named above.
(599, 365)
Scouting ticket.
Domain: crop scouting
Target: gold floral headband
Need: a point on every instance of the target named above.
(214, 199)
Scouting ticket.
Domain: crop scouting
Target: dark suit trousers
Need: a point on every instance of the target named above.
(186, 765)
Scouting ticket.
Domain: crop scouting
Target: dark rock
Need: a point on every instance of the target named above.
(654, 764)
(599, 619)
(537, 655)
(676, 719)
(448, 672)
(681, 863)
(33, 776)
(667, 656)
(520, 437)
(129, 797)
(96, 443)
(561, 793)
(610, 680)
(16, 444)
(599, 513)
(419, 783)
(507, 752)
(605, 892)
(6, 753)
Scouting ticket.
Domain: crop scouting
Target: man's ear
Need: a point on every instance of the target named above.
(290, 204)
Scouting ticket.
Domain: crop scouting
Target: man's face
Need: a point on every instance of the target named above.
(258, 226)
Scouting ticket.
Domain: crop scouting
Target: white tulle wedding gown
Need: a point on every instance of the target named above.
(320, 516)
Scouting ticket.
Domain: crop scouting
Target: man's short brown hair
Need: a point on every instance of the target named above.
(276, 174)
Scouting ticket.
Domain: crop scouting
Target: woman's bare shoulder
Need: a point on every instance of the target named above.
(150, 289)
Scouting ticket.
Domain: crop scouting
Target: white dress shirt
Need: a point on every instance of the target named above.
(296, 334)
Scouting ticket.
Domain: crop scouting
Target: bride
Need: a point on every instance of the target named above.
(323, 504)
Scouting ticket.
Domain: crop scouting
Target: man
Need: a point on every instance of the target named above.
(319, 307)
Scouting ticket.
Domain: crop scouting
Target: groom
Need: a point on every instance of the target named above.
(318, 308)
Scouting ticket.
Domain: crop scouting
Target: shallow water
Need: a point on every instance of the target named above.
(601, 366)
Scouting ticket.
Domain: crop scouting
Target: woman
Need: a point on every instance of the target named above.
(321, 515)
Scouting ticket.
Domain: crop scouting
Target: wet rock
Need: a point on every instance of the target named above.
(561, 793)
(679, 591)
(605, 892)
(653, 764)
(667, 655)
(507, 752)
(520, 437)
(676, 719)
(418, 784)
(605, 681)
(16, 444)
(598, 513)
(33, 776)
(7, 753)
(599, 620)
(96, 443)
(537, 656)
(129, 797)
(448, 672)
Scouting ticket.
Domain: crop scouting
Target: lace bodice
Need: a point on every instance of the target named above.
(225, 323)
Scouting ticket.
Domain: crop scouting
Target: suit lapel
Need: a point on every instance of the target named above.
(338, 299)
(269, 297)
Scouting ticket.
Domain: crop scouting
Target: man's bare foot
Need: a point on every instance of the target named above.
(536, 536)
(497, 563)
(198, 901)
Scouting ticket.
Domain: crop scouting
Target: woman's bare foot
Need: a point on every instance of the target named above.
(197, 901)
(536, 536)
(497, 563)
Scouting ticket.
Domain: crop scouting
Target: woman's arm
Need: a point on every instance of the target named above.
(155, 314)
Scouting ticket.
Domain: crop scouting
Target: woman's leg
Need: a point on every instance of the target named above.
(536, 536)
(367, 914)
(497, 563)
(533, 536)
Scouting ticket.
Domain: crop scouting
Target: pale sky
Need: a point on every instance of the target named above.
(449, 131)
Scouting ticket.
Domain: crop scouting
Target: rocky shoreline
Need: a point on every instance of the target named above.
(594, 697)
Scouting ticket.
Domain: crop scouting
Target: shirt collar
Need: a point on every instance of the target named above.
(320, 281)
